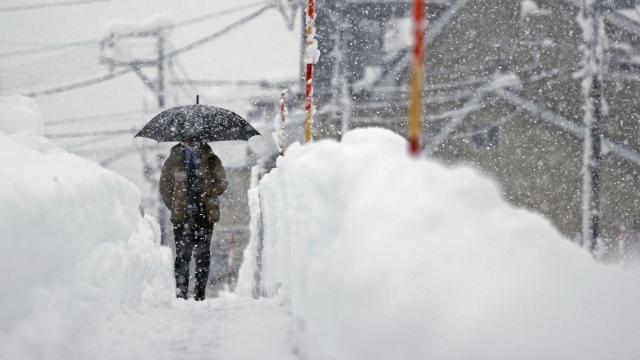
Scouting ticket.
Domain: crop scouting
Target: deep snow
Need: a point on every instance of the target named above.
(83, 275)
(368, 254)
(382, 256)
(74, 244)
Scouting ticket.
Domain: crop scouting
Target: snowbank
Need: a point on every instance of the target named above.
(385, 257)
(74, 248)
(20, 114)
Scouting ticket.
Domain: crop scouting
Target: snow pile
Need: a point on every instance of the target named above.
(74, 248)
(386, 257)
(20, 114)
(248, 283)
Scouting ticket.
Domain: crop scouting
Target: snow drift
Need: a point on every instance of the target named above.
(20, 114)
(74, 247)
(382, 256)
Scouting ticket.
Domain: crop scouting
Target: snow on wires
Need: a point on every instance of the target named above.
(46, 5)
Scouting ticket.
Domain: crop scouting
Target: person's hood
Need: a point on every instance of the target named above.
(179, 147)
(191, 148)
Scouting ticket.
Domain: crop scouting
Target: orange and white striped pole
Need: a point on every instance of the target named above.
(311, 55)
(416, 80)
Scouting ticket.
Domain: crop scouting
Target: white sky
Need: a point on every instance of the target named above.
(261, 49)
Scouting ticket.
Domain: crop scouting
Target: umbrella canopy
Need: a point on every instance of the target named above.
(200, 122)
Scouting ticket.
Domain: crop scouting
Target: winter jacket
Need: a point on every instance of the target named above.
(174, 186)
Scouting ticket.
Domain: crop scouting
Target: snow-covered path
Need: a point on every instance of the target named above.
(228, 327)
(366, 253)
(90, 279)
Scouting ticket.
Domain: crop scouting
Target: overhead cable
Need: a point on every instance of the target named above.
(221, 32)
(170, 55)
(38, 6)
(49, 48)
(215, 14)
(80, 43)
(120, 114)
(80, 84)
(91, 133)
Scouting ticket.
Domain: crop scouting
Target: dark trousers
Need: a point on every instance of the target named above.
(192, 240)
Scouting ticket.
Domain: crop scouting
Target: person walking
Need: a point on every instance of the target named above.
(191, 181)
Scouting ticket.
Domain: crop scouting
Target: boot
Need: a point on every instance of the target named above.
(182, 287)
(199, 292)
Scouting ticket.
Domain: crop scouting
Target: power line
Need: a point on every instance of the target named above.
(80, 43)
(49, 48)
(39, 61)
(80, 146)
(123, 154)
(91, 133)
(219, 33)
(27, 42)
(80, 84)
(38, 6)
(75, 69)
(46, 67)
(193, 88)
(191, 21)
(260, 83)
(170, 55)
(215, 14)
(68, 120)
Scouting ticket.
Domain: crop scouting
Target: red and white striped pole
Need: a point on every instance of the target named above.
(311, 55)
(283, 116)
(415, 90)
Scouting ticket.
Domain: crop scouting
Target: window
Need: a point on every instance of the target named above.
(486, 137)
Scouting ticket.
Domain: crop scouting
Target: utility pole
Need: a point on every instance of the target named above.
(280, 127)
(160, 158)
(594, 54)
(161, 67)
(417, 78)
(110, 47)
(311, 56)
(340, 93)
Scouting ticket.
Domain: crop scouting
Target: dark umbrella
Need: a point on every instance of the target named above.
(199, 122)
